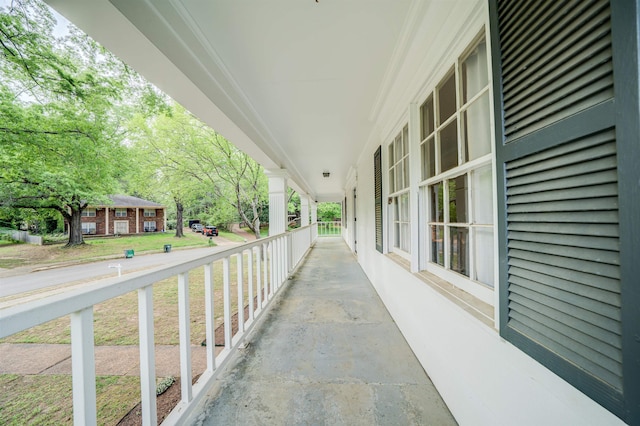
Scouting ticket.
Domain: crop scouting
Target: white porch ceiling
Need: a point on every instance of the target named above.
(294, 83)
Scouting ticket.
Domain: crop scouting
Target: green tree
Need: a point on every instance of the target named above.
(231, 175)
(328, 212)
(60, 134)
(163, 169)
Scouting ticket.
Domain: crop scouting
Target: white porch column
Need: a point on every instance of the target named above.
(304, 210)
(277, 201)
(137, 220)
(164, 215)
(314, 212)
(106, 221)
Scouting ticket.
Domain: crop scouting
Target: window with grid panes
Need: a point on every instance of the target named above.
(399, 191)
(121, 212)
(457, 172)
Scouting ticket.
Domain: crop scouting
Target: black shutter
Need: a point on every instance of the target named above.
(560, 204)
(377, 173)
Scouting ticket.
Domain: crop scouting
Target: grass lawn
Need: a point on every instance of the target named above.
(39, 399)
(16, 255)
(44, 399)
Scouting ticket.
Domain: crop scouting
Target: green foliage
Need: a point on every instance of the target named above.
(328, 212)
(60, 135)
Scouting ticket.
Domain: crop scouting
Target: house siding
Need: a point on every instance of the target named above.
(100, 220)
(483, 378)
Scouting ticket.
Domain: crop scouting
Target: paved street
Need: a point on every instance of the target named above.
(19, 280)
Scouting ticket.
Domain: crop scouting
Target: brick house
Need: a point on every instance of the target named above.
(125, 215)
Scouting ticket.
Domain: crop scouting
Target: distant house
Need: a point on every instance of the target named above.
(125, 215)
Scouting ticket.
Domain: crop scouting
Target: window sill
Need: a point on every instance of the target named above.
(471, 304)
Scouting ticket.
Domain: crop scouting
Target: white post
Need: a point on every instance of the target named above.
(147, 356)
(184, 325)
(137, 220)
(304, 210)
(83, 366)
(277, 201)
(239, 261)
(164, 216)
(226, 294)
(210, 317)
(414, 179)
(314, 212)
(106, 221)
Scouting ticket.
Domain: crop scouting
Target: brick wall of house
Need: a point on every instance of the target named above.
(100, 217)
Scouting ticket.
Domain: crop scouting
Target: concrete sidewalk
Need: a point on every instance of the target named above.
(29, 358)
(328, 353)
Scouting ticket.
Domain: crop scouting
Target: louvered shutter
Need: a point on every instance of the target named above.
(557, 162)
(377, 172)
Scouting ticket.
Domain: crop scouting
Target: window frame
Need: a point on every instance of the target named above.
(149, 213)
(120, 210)
(89, 212)
(85, 225)
(431, 133)
(399, 171)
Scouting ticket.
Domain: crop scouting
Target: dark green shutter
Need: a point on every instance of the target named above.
(558, 163)
(377, 172)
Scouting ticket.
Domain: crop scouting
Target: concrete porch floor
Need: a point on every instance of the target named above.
(328, 353)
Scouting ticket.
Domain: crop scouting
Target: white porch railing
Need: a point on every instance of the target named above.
(329, 229)
(273, 258)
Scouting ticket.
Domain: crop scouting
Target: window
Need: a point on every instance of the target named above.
(149, 212)
(149, 226)
(88, 227)
(457, 172)
(89, 213)
(399, 191)
(121, 212)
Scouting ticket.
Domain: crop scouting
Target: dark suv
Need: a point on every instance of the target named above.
(210, 231)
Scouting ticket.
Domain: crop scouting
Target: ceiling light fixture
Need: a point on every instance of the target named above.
(325, 174)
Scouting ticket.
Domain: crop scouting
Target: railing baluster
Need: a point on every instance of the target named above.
(258, 275)
(185, 336)
(210, 317)
(147, 356)
(265, 266)
(250, 276)
(240, 261)
(83, 365)
(227, 302)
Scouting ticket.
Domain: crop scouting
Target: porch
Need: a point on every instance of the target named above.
(328, 352)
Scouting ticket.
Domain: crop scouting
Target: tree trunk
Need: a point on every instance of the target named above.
(179, 210)
(75, 228)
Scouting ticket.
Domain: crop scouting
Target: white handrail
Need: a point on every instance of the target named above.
(274, 258)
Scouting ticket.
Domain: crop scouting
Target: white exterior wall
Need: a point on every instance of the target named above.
(484, 379)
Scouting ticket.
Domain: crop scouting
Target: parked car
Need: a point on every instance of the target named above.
(196, 227)
(210, 231)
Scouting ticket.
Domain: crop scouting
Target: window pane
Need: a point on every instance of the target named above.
(436, 198)
(391, 156)
(476, 131)
(475, 75)
(459, 250)
(482, 195)
(484, 255)
(405, 169)
(447, 98)
(397, 144)
(404, 207)
(427, 152)
(426, 118)
(458, 200)
(437, 244)
(449, 147)
(405, 140)
(392, 180)
(405, 243)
